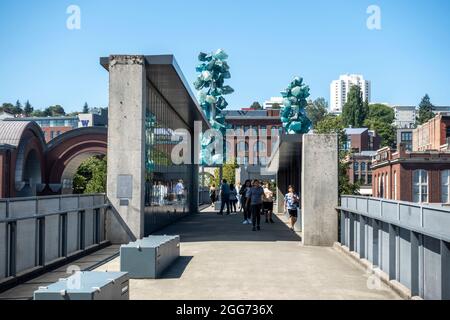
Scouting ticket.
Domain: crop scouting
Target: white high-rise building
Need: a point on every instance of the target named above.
(339, 90)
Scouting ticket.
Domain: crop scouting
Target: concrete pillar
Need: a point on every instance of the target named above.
(126, 145)
(319, 189)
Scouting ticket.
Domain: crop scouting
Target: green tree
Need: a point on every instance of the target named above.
(86, 108)
(256, 106)
(335, 124)
(17, 108)
(425, 110)
(229, 173)
(55, 111)
(355, 110)
(381, 112)
(385, 130)
(91, 176)
(7, 107)
(380, 119)
(40, 113)
(28, 109)
(317, 110)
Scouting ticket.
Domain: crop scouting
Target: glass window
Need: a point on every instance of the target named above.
(355, 166)
(445, 184)
(420, 186)
(363, 166)
(241, 146)
(263, 131)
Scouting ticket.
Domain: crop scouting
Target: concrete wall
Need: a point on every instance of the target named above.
(126, 142)
(319, 189)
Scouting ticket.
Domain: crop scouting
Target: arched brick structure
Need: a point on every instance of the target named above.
(22, 158)
(66, 152)
(29, 166)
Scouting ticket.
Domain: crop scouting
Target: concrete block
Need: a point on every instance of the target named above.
(87, 286)
(149, 257)
(320, 189)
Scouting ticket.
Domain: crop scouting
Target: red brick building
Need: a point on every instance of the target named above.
(362, 142)
(420, 176)
(257, 133)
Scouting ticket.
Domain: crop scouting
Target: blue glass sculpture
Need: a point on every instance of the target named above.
(212, 72)
(293, 115)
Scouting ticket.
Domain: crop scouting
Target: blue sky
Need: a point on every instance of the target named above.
(269, 42)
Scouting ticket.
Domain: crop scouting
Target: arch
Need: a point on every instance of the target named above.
(66, 152)
(26, 163)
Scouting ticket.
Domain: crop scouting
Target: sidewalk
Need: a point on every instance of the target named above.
(223, 259)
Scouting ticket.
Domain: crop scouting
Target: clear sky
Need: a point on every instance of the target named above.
(269, 42)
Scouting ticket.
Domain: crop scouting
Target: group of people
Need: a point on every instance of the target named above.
(255, 200)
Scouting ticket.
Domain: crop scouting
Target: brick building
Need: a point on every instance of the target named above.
(421, 175)
(363, 143)
(257, 133)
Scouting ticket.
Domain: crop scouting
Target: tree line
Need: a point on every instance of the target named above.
(27, 110)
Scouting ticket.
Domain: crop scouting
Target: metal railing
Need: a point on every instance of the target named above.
(39, 231)
(409, 242)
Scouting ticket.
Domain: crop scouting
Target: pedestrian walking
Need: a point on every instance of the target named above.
(291, 204)
(245, 208)
(255, 200)
(233, 198)
(268, 202)
(224, 197)
(213, 194)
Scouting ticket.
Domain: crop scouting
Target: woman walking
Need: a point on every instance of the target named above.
(254, 200)
(212, 194)
(291, 203)
(268, 202)
(243, 193)
(233, 198)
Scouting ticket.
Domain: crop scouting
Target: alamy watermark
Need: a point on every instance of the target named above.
(73, 21)
(374, 20)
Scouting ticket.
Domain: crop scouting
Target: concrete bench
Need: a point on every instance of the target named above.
(87, 285)
(149, 257)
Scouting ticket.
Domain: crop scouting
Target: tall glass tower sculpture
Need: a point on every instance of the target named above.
(212, 72)
(293, 114)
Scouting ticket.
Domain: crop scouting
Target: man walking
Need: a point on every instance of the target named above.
(224, 197)
(255, 200)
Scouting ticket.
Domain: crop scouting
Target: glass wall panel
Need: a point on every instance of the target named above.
(168, 186)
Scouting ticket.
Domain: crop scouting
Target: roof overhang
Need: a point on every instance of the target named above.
(165, 75)
(289, 150)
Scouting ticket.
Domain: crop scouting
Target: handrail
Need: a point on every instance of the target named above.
(409, 242)
(51, 197)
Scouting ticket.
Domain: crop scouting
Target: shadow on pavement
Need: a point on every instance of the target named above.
(176, 270)
(208, 226)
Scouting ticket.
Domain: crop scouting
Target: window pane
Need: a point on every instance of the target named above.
(416, 176)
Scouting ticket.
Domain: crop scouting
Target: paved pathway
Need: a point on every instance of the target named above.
(223, 259)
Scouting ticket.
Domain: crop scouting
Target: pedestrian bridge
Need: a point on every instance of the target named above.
(382, 256)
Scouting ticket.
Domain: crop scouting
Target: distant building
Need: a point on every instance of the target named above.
(273, 102)
(55, 126)
(362, 142)
(361, 139)
(5, 115)
(405, 116)
(360, 170)
(340, 88)
(257, 134)
(432, 135)
(421, 175)
(404, 137)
